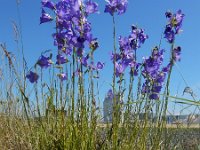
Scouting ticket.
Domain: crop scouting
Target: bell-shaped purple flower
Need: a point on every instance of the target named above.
(44, 62)
(32, 76)
(145, 87)
(61, 59)
(169, 34)
(124, 44)
(160, 78)
(45, 17)
(120, 68)
(48, 4)
(167, 68)
(113, 6)
(79, 42)
(177, 53)
(154, 96)
(91, 7)
(84, 60)
(179, 19)
(116, 56)
(100, 65)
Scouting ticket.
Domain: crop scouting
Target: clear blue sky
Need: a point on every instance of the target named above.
(146, 14)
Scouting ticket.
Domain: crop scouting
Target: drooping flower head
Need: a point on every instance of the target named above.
(61, 59)
(177, 53)
(118, 6)
(32, 76)
(45, 17)
(100, 65)
(44, 62)
(120, 68)
(174, 25)
(48, 4)
(91, 7)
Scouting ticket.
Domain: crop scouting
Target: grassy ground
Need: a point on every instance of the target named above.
(15, 133)
(52, 114)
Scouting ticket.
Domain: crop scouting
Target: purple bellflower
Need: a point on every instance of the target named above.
(45, 17)
(32, 76)
(177, 53)
(44, 62)
(61, 59)
(174, 25)
(100, 65)
(118, 6)
(48, 4)
(91, 7)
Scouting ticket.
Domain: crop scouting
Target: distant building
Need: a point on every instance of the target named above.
(107, 109)
(108, 106)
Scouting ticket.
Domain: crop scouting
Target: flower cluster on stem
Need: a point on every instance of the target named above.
(127, 55)
(73, 30)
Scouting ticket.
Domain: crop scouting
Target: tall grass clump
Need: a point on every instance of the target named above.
(53, 105)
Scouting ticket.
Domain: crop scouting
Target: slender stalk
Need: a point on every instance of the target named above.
(93, 102)
(73, 83)
(130, 92)
(73, 96)
(168, 79)
(115, 116)
(115, 51)
(167, 92)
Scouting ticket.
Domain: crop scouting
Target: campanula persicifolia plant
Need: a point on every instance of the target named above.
(73, 36)
(66, 111)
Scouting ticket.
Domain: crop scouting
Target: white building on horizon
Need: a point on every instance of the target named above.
(107, 109)
(108, 106)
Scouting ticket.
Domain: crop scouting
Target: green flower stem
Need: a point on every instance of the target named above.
(167, 92)
(114, 118)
